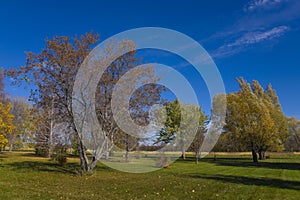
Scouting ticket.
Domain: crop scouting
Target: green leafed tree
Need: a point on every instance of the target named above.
(182, 120)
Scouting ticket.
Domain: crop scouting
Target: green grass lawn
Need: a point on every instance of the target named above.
(25, 176)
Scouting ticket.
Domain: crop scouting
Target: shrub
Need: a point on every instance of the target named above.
(60, 155)
(62, 160)
(41, 150)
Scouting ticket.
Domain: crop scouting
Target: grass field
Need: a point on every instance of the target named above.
(25, 176)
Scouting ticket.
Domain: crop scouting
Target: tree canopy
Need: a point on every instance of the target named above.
(180, 123)
(6, 124)
(255, 119)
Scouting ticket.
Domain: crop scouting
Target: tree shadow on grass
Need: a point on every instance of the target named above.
(102, 167)
(242, 158)
(71, 168)
(7, 154)
(3, 155)
(276, 183)
(44, 167)
(245, 163)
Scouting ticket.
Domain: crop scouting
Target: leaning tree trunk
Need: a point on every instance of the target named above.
(84, 161)
(87, 166)
(83, 157)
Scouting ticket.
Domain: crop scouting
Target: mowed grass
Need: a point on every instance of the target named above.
(25, 176)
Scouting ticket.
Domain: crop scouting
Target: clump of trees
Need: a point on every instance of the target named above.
(15, 125)
(53, 71)
(254, 120)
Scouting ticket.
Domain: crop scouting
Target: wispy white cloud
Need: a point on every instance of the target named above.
(248, 39)
(259, 21)
(265, 4)
(256, 37)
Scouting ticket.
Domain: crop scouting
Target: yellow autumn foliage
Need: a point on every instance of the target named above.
(6, 123)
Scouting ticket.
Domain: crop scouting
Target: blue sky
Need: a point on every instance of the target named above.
(255, 39)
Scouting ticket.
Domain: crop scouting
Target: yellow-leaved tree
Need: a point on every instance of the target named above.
(255, 120)
(6, 124)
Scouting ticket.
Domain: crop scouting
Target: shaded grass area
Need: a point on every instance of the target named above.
(276, 183)
(42, 167)
(245, 162)
(26, 176)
